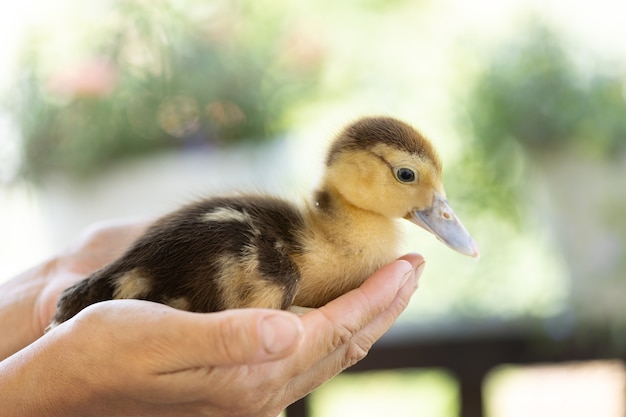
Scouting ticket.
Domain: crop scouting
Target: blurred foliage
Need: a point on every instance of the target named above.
(155, 75)
(531, 99)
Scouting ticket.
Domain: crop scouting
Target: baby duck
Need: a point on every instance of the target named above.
(259, 251)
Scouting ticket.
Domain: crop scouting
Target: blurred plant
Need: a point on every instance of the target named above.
(529, 100)
(155, 75)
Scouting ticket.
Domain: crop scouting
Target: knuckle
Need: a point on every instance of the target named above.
(341, 336)
(89, 318)
(357, 350)
(355, 346)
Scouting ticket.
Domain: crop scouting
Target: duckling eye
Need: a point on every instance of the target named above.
(405, 175)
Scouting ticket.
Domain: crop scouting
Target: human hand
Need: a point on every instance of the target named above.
(28, 301)
(100, 244)
(130, 357)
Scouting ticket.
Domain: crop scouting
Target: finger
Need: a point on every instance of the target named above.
(253, 336)
(46, 303)
(364, 339)
(178, 355)
(377, 327)
(324, 355)
(230, 338)
(347, 354)
(337, 322)
(101, 243)
(367, 302)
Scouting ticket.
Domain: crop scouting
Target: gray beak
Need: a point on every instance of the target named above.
(440, 220)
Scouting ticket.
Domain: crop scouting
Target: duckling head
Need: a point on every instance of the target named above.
(385, 166)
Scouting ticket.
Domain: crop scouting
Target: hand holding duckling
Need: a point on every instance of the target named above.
(263, 252)
(163, 361)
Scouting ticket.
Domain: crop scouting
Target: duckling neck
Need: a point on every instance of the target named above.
(343, 245)
(346, 224)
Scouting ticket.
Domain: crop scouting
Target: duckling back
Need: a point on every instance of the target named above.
(216, 254)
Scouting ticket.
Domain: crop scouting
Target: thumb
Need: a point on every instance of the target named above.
(241, 337)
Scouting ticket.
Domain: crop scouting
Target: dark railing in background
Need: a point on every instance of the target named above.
(471, 351)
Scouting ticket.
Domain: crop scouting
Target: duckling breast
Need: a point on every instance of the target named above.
(342, 246)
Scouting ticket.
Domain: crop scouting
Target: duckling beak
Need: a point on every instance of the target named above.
(440, 220)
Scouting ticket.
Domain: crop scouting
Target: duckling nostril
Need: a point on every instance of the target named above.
(446, 215)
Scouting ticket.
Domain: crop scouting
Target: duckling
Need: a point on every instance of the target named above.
(260, 251)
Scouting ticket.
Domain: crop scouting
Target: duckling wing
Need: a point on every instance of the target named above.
(256, 239)
(216, 254)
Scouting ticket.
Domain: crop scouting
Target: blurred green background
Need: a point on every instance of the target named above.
(118, 108)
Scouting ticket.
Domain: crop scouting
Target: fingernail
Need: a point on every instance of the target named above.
(280, 333)
(419, 270)
(408, 274)
(413, 274)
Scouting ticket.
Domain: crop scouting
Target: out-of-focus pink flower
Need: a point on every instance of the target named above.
(95, 77)
(303, 50)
